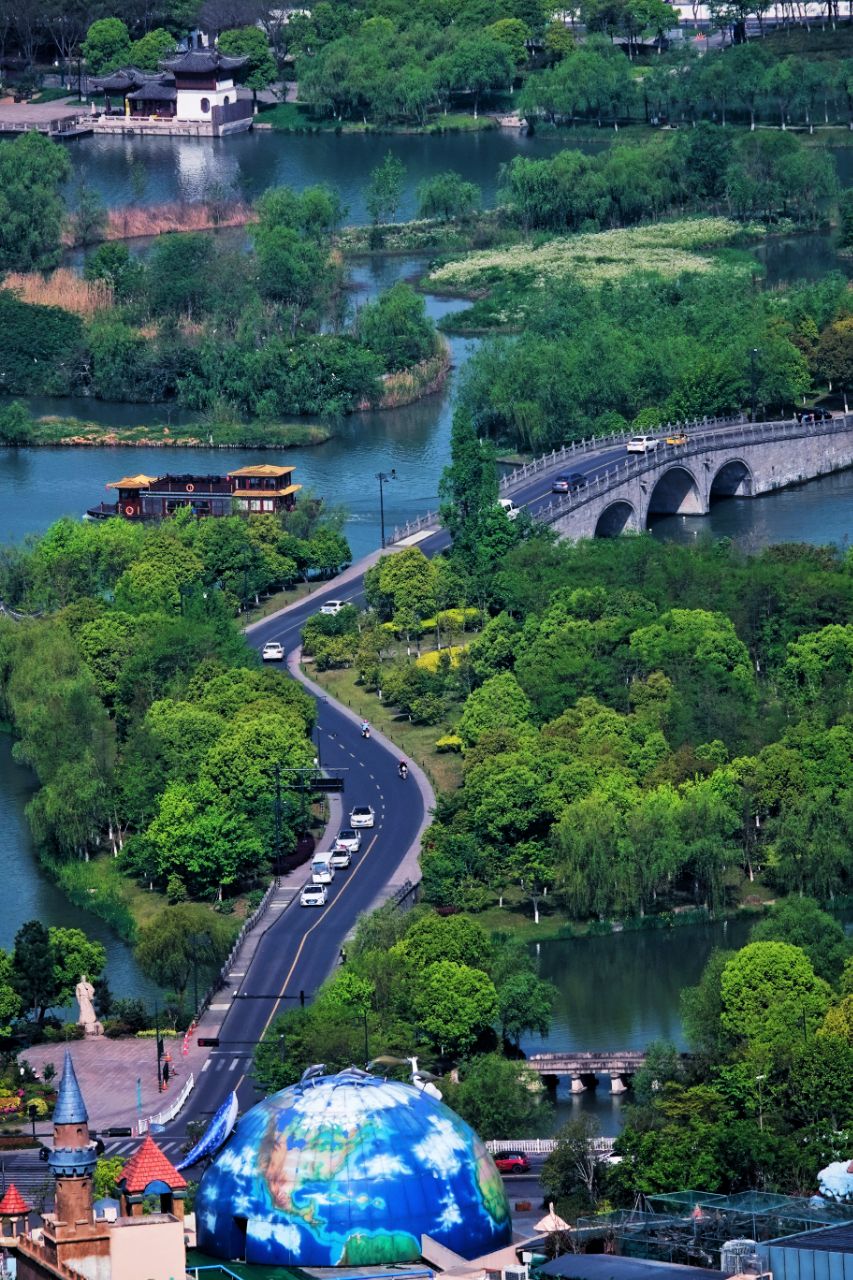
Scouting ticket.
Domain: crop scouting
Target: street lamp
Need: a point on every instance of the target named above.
(383, 477)
(753, 382)
(758, 1081)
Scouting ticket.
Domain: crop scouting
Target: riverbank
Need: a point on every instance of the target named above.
(73, 432)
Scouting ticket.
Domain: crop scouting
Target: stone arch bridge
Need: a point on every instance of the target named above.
(742, 460)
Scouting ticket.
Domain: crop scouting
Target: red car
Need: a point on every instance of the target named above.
(512, 1162)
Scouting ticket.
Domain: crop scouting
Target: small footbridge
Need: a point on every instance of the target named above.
(584, 1067)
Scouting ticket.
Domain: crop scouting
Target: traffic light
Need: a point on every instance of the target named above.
(208, 1042)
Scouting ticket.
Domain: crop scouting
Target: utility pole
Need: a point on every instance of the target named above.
(383, 477)
(159, 1044)
(753, 380)
(277, 774)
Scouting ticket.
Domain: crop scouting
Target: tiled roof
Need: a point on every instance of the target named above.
(264, 469)
(201, 61)
(13, 1204)
(148, 1164)
(70, 1107)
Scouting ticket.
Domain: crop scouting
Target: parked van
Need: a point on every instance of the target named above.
(322, 871)
(510, 510)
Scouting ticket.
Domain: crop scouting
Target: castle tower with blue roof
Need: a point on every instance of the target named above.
(71, 1232)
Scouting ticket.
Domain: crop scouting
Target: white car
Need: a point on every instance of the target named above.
(362, 816)
(641, 444)
(332, 607)
(340, 859)
(349, 839)
(508, 507)
(313, 895)
(273, 651)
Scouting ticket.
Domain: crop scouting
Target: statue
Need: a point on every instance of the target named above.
(84, 991)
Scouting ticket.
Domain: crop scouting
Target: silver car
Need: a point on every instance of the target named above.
(362, 816)
(332, 607)
(349, 838)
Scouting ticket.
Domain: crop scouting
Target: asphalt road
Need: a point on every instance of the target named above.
(302, 947)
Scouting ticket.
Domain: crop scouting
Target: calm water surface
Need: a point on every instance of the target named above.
(153, 170)
(30, 895)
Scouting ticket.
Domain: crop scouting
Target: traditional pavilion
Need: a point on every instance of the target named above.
(264, 489)
(193, 88)
(72, 1244)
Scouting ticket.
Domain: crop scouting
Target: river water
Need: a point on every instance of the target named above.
(614, 992)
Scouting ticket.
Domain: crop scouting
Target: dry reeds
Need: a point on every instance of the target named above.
(62, 288)
(155, 219)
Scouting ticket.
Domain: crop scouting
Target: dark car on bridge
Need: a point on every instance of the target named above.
(569, 483)
(816, 414)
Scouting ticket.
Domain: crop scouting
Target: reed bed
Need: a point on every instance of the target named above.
(62, 288)
(155, 219)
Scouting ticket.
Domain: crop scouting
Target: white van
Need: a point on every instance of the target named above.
(510, 510)
(322, 871)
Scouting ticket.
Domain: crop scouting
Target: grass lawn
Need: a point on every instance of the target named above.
(283, 598)
(811, 42)
(444, 769)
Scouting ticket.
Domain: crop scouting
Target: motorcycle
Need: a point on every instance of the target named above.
(365, 731)
(404, 771)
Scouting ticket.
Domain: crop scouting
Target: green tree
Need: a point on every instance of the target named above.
(433, 938)
(573, 1166)
(481, 64)
(499, 1098)
(397, 328)
(34, 976)
(149, 50)
(250, 42)
(73, 956)
(16, 425)
(801, 922)
(107, 46)
(90, 216)
(177, 939)
(446, 196)
(454, 1004)
(771, 996)
(499, 703)
(32, 172)
(525, 1003)
(384, 189)
(845, 213)
(108, 1170)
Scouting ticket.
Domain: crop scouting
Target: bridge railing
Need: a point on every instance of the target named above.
(513, 479)
(640, 464)
(543, 1146)
(402, 531)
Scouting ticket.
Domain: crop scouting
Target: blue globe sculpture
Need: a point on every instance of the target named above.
(350, 1170)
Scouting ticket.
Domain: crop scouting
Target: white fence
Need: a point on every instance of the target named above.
(163, 1117)
(544, 1146)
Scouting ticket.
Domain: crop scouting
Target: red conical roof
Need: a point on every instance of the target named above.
(148, 1164)
(13, 1204)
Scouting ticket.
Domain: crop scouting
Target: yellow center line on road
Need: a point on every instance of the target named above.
(307, 932)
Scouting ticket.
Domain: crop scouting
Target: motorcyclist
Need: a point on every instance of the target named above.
(403, 769)
(365, 729)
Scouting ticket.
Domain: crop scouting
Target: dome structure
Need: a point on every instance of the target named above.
(349, 1170)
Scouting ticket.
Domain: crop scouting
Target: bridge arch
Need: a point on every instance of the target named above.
(615, 519)
(733, 480)
(676, 493)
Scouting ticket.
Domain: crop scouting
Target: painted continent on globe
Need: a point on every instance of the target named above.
(350, 1170)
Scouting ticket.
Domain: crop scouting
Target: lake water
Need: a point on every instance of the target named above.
(153, 170)
(30, 895)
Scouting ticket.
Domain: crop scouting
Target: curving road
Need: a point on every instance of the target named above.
(301, 946)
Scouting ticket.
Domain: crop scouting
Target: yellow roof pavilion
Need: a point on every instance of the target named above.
(132, 482)
(267, 493)
(266, 471)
